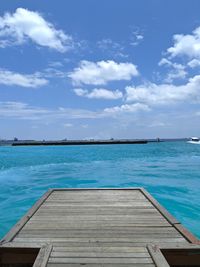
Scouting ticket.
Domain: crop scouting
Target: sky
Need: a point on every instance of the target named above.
(99, 69)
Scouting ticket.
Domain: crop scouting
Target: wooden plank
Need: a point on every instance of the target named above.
(130, 204)
(105, 198)
(157, 256)
(43, 256)
(101, 260)
(119, 230)
(107, 213)
(143, 222)
(100, 217)
(99, 265)
(64, 254)
(98, 240)
(101, 249)
(84, 194)
(102, 202)
(98, 211)
(67, 208)
(95, 192)
(105, 245)
(93, 235)
(100, 190)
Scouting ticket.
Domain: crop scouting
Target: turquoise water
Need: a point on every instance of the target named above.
(170, 171)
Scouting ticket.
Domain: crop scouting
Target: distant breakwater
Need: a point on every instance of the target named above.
(77, 142)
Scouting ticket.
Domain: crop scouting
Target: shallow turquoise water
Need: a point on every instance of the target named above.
(170, 171)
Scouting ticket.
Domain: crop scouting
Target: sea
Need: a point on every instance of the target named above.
(170, 171)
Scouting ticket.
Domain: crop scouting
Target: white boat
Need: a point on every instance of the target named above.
(194, 140)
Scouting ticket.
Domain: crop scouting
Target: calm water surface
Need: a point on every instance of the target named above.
(170, 171)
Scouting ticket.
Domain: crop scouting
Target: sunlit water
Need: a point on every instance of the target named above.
(170, 171)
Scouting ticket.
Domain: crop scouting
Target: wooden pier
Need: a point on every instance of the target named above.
(98, 227)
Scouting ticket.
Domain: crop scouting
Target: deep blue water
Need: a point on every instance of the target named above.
(170, 171)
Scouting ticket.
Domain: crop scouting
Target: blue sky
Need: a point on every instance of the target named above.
(99, 69)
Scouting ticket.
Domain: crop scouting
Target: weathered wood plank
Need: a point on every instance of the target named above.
(158, 257)
(119, 230)
(99, 210)
(108, 213)
(99, 217)
(93, 235)
(98, 240)
(100, 265)
(43, 256)
(101, 260)
(114, 204)
(101, 249)
(95, 224)
(64, 254)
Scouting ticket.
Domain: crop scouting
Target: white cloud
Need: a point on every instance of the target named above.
(55, 64)
(139, 37)
(101, 72)
(99, 93)
(153, 94)
(127, 108)
(24, 24)
(194, 63)
(24, 111)
(105, 44)
(20, 110)
(136, 37)
(177, 73)
(25, 80)
(186, 45)
(177, 70)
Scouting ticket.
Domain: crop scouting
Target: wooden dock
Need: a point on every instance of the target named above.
(97, 227)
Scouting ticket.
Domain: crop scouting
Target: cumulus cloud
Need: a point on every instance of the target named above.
(25, 80)
(194, 63)
(186, 45)
(177, 70)
(101, 72)
(24, 24)
(163, 94)
(99, 93)
(127, 108)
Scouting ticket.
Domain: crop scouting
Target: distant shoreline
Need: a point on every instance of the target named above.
(85, 142)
